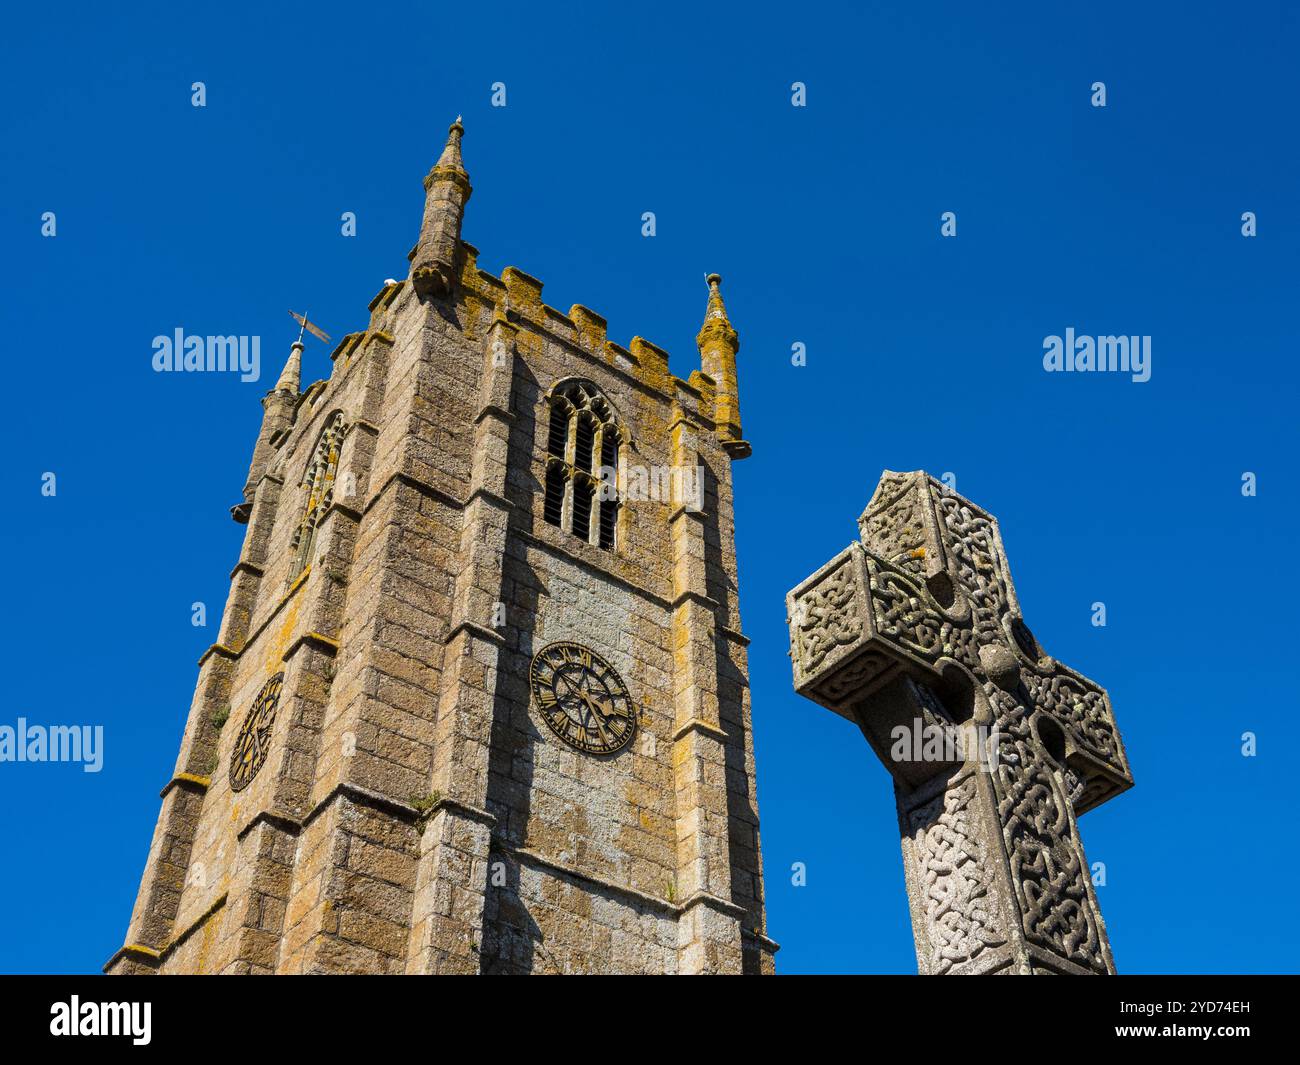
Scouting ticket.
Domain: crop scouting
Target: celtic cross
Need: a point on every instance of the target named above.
(914, 634)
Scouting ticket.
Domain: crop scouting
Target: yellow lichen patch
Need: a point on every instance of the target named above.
(279, 639)
(209, 927)
(474, 309)
(469, 260)
(591, 328)
(525, 293)
(386, 296)
(347, 345)
(706, 387)
(652, 362)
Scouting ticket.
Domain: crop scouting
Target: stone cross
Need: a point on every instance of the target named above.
(995, 748)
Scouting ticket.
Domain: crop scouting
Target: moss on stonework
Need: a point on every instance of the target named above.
(424, 805)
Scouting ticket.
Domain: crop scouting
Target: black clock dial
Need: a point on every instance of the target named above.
(254, 739)
(582, 698)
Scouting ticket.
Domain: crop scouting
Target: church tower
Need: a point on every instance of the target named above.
(480, 700)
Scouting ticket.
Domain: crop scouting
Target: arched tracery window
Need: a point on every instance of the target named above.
(582, 447)
(317, 492)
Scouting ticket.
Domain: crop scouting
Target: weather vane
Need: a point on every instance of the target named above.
(310, 327)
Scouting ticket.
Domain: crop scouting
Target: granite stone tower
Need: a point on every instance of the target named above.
(479, 703)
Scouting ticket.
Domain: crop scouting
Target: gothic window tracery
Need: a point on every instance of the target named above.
(317, 492)
(582, 457)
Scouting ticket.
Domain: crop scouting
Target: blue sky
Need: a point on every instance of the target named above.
(923, 352)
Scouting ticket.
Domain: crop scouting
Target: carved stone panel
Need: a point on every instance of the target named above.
(830, 632)
(958, 910)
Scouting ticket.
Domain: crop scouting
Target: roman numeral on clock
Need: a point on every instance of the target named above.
(582, 699)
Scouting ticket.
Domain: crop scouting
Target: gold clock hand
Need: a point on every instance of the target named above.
(595, 710)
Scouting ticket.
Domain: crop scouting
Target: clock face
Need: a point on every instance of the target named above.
(254, 739)
(582, 699)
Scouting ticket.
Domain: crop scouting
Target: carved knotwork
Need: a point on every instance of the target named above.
(855, 675)
(961, 918)
(1047, 864)
(1081, 708)
(827, 618)
(894, 527)
(907, 614)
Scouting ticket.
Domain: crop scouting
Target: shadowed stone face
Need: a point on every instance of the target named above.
(916, 629)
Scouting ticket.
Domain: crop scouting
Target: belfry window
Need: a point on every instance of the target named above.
(582, 456)
(317, 491)
(608, 493)
(582, 493)
(584, 441)
(559, 435)
(553, 510)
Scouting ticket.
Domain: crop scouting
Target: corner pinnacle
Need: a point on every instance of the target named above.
(716, 322)
(450, 161)
(291, 375)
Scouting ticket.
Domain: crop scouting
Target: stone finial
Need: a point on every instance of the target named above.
(718, 343)
(291, 376)
(450, 164)
(716, 323)
(436, 259)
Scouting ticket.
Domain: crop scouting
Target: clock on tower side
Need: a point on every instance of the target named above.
(469, 710)
(618, 845)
